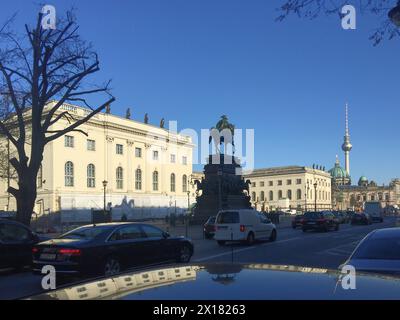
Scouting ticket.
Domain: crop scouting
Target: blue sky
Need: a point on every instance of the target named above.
(194, 60)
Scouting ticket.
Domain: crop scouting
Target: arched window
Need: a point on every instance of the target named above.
(120, 178)
(289, 194)
(253, 196)
(91, 176)
(172, 182)
(262, 196)
(184, 183)
(155, 181)
(280, 195)
(39, 182)
(298, 194)
(271, 196)
(69, 174)
(138, 179)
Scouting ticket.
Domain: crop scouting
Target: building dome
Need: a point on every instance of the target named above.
(339, 175)
(363, 181)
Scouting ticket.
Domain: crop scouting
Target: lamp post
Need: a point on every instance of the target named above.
(104, 189)
(219, 172)
(306, 195)
(315, 193)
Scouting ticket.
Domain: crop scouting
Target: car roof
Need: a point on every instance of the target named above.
(110, 224)
(385, 233)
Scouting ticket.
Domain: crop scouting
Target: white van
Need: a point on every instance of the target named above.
(243, 225)
(374, 209)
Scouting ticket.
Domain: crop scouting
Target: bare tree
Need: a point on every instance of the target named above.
(36, 67)
(311, 9)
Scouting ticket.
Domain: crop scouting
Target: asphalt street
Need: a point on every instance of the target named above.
(293, 247)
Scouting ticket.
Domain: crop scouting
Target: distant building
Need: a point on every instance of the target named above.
(290, 188)
(147, 169)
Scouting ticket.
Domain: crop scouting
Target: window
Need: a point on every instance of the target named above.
(69, 141)
(12, 232)
(387, 197)
(138, 152)
(270, 183)
(288, 182)
(155, 181)
(298, 181)
(155, 155)
(120, 149)
(289, 194)
(261, 183)
(152, 232)
(172, 182)
(173, 158)
(271, 196)
(184, 160)
(69, 174)
(138, 179)
(127, 233)
(184, 183)
(228, 217)
(120, 178)
(91, 145)
(279, 182)
(40, 177)
(298, 194)
(91, 176)
(262, 196)
(253, 184)
(280, 195)
(253, 196)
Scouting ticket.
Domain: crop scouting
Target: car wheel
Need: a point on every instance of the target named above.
(184, 254)
(250, 238)
(272, 238)
(112, 266)
(221, 242)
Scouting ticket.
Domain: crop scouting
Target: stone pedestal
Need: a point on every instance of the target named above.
(221, 188)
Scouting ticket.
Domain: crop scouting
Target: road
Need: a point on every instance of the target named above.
(293, 247)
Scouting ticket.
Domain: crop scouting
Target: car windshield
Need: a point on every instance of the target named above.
(381, 248)
(85, 233)
(211, 220)
(228, 217)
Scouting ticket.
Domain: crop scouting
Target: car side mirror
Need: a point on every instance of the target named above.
(166, 235)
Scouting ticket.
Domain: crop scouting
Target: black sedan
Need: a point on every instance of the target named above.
(323, 221)
(361, 218)
(378, 252)
(297, 221)
(16, 241)
(106, 249)
(229, 282)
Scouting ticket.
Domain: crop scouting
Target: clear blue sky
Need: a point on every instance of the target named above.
(194, 60)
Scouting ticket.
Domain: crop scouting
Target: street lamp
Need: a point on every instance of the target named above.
(394, 15)
(315, 193)
(306, 195)
(219, 172)
(104, 188)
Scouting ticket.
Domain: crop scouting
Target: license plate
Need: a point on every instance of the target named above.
(48, 256)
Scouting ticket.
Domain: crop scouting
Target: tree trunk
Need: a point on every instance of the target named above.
(26, 197)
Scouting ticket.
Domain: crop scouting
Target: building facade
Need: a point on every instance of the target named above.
(134, 168)
(290, 188)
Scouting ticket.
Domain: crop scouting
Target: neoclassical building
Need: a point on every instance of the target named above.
(291, 187)
(143, 170)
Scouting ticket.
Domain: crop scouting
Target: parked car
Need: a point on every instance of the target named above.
(209, 228)
(349, 215)
(297, 221)
(16, 241)
(374, 210)
(245, 225)
(323, 221)
(339, 216)
(378, 252)
(108, 248)
(361, 218)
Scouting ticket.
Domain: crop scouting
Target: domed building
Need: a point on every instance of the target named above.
(339, 175)
(363, 181)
